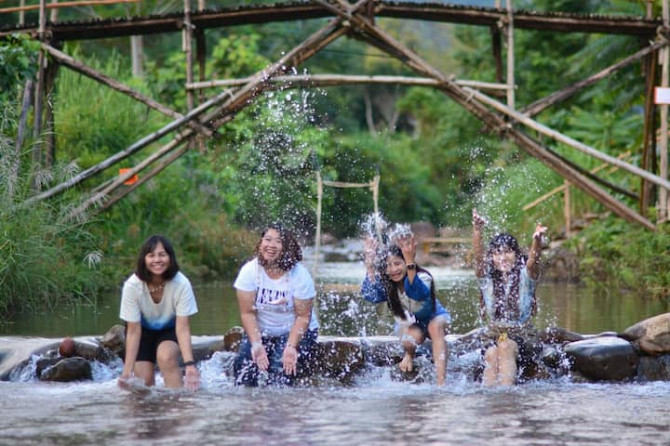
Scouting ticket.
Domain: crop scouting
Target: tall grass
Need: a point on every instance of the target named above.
(44, 260)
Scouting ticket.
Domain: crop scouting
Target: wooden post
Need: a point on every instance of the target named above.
(188, 50)
(50, 134)
(53, 16)
(566, 208)
(510, 56)
(649, 136)
(496, 44)
(22, 13)
(201, 55)
(375, 193)
(663, 146)
(317, 237)
(39, 89)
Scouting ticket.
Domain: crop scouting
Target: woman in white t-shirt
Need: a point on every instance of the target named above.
(275, 294)
(156, 303)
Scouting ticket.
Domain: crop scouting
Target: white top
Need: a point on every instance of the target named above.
(137, 305)
(275, 311)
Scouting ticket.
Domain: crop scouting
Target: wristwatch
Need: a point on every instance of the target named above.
(411, 266)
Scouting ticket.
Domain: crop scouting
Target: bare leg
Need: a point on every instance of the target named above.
(145, 370)
(507, 351)
(412, 337)
(437, 328)
(167, 357)
(491, 369)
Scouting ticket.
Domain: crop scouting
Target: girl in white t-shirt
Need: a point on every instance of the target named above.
(275, 294)
(156, 303)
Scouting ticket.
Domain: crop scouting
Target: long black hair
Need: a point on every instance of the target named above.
(504, 304)
(392, 297)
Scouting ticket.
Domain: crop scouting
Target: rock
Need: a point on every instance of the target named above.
(68, 369)
(382, 350)
(115, 340)
(654, 368)
(339, 358)
(652, 335)
(603, 359)
(558, 335)
(232, 339)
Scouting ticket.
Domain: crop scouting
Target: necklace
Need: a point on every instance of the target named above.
(153, 289)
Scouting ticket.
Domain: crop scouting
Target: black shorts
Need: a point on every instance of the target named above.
(151, 339)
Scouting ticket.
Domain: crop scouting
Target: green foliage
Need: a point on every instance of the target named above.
(18, 63)
(44, 259)
(624, 256)
(93, 122)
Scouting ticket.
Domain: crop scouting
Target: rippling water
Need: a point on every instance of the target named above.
(376, 410)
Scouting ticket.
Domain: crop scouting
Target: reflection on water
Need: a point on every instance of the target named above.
(379, 412)
(343, 312)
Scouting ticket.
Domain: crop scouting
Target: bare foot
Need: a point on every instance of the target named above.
(407, 364)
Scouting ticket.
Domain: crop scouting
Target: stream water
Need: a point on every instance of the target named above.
(375, 410)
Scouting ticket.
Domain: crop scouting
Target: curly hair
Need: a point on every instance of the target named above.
(291, 252)
(393, 300)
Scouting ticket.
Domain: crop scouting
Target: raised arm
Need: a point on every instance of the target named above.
(407, 245)
(370, 245)
(478, 223)
(533, 263)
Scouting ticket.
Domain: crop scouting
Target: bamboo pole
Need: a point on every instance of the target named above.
(558, 189)
(87, 71)
(22, 9)
(188, 52)
(39, 88)
(510, 57)
(464, 97)
(567, 140)
(560, 95)
(317, 240)
(169, 159)
(238, 100)
(663, 146)
(649, 136)
(326, 80)
(140, 144)
(566, 208)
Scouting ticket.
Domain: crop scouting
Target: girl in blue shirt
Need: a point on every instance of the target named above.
(409, 291)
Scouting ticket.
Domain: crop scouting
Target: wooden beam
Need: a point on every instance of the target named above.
(465, 97)
(561, 95)
(523, 119)
(65, 5)
(328, 80)
(237, 101)
(87, 71)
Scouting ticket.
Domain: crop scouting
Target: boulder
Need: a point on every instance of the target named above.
(652, 335)
(68, 369)
(115, 340)
(654, 368)
(338, 358)
(603, 359)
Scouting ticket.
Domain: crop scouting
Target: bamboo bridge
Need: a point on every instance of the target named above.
(204, 117)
